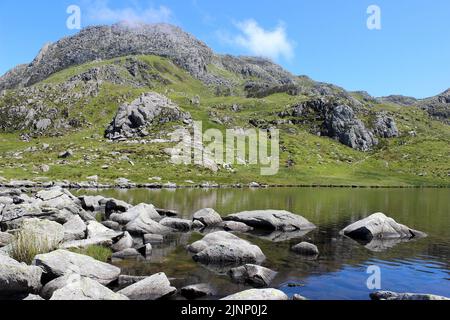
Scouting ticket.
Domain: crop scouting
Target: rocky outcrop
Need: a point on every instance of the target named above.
(59, 262)
(151, 288)
(253, 275)
(272, 220)
(225, 248)
(18, 278)
(134, 119)
(388, 295)
(258, 295)
(379, 226)
(385, 126)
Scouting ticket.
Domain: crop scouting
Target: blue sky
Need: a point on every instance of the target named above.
(327, 40)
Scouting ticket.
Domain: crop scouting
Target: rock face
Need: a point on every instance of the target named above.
(151, 288)
(132, 120)
(253, 275)
(305, 248)
(387, 295)
(208, 217)
(225, 248)
(272, 220)
(379, 226)
(258, 295)
(85, 289)
(385, 126)
(177, 224)
(17, 278)
(59, 262)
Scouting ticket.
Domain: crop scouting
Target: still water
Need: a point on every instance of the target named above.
(340, 272)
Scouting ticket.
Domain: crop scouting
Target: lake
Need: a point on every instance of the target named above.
(340, 272)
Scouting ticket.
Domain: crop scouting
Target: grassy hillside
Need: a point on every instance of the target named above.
(412, 159)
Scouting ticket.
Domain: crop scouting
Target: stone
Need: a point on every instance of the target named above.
(18, 278)
(33, 297)
(234, 226)
(142, 209)
(379, 226)
(146, 250)
(125, 280)
(143, 224)
(208, 217)
(65, 154)
(385, 126)
(272, 220)
(225, 248)
(86, 289)
(197, 225)
(48, 233)
(5, 239)
(113, 205)
(44, 168)
(297, 297)
(153, 238)
(91, 203)
(152, 288)
(74, 229)
(177, 224)
(388, 295)
(305, 248)
(258, 295)
(196, 291)
(253, 275)
(50, 287)
(126, 254)
(59, 262)
(97, 230)
(85, 243)
(126, 242)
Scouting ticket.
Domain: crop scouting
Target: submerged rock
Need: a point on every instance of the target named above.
(272, 220)
(151, 288)
(258, 295)
(223, 248)
(253, 275)
(59, 262)
(388, 295)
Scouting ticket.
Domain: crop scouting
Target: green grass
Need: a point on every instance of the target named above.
(27, 245)
(420, 160)
(99, 253)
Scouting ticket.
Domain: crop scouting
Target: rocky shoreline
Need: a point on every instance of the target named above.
(43, 232)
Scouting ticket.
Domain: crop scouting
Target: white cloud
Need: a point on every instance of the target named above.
(99, 11)
(266, 43)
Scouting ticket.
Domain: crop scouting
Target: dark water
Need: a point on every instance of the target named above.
(340, 272)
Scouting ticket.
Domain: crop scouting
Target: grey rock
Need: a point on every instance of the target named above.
(151, 288)
(379, 226)
(153, 238)
(298, 297)
(112, 225)
(85, 243)
(146, 250)
(388, 295)
(253, 275)
(49, 288)
(59, 262)
(385, 126)
(33, 297)
(142, 209)
(18, 278)
(126, 254)
(97, 230)
(197, 291)
(91, 203)
(45, 233)
(225, 248)
(65, 154)
(74, 229)
(236, 226)
(305, 248)
(143, 224)
(114, 205)
(258, 295)
(125, 280)
(5, 239)
(208, 217)
(126, 242)
(272, 220)
(177, 224)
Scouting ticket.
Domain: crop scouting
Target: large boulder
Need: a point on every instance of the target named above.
(114, 205)
(46, 233)
(177, 224)
(82, 288)
(13, 215)
(5, 239)
(208, 217)
(253, 275)
(91, 203)
(306, 249)
(140, 210)
(143, 224)
(132, 120)
(151, 288)
(74, 229)
(96, 230)
(18, 278)
(272, 220)
(59, 262)
(388, 295)
(379, 226)
(258, 295)
(225, 248)
(196, 291)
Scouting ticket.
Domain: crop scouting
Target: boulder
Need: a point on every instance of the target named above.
(298, 297)
(234, 226)
(305, 248)
(13, 215)
(272, 220)
(151, 288)
(125, 280)
(85, 289)
(85, 243)
(112, 225)
(59, 262)
(177, 224)
(225, 248)
(113, 205)
(74, 229)
(143, 224)
(126, 242)
(258, 295)
(388, 295)
(385, 126)
(97, 230)
(142, 209)
(379, 226)
(197, 291)
(253, 275)
(18, 278)
(48, 234)
(126, 254)
(208, 217)
(153, 239)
